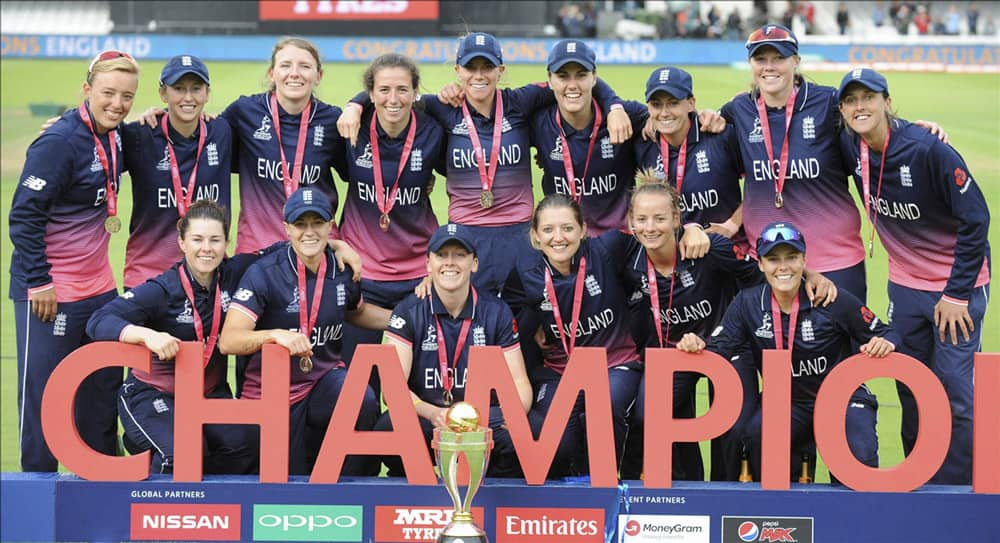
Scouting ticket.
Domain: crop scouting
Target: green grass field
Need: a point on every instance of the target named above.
(968, 106)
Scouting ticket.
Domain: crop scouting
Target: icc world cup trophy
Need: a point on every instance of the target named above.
(463, 437)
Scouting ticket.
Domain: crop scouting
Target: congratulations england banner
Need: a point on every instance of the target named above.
(970, 57)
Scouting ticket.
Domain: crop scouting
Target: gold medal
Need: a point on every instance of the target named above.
(383, 222)
(778, 200)
(486, 199)
(112, 224)
(446, 396)
(305, 364)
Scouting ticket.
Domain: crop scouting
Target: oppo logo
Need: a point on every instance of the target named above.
(309, 522)
(306, 522)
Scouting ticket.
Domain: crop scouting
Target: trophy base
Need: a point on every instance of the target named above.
(462, 533)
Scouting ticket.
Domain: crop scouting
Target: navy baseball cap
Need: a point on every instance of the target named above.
(182, 65)
(867, 77)
(777, 36)
(673, 81)
(449, 233)
(780, 233)
(566, 51)
(306, 200)
(479, 44)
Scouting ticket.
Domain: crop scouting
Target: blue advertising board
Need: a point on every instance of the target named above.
(515, 50)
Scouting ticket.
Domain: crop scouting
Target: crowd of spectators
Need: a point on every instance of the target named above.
(918, 18)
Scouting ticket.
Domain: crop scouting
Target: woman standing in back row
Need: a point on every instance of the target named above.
(61, 220)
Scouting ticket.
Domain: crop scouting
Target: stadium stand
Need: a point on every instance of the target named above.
(83, 18)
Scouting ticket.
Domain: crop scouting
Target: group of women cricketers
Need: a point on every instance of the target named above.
(644, 239)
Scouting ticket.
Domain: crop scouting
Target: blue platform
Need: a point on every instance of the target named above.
(62, 507)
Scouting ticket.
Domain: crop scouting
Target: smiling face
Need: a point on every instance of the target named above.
(670, 115)
(392, 94)
(451, 268)
(865, 111)
(572, 85)
(186, 98)
(295, 73)
(203, 245)
(558, 233)
(110, 95)
(654, 220)
(773, 74)
(308, 235)
(783, 268)
(479, 80)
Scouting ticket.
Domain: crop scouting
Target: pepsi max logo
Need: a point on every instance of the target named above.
(748, 531)
(767, 530)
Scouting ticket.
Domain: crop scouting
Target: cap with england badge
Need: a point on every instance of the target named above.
(866, 77)
(479, 44)
(182, 65)
(566, 51)
(780, 233)
(671, 80)
(306, 200)
(451, 233)
(775, 35)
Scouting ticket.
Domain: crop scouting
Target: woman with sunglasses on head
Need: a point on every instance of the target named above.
(780, 315)
(569, 293)
(787, 130)
(492, 197)
(294, 298)
(390, 172)
(61, 220)
(933, 222)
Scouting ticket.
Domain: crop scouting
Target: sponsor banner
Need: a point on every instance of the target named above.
(767, 529)
(665, 528)
(282, 522)
(401, 523)
(973, 57)
(326, 10)
(185, 522)
(549, 525)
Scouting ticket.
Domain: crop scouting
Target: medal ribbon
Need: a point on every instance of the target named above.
(793, 318)
(568, 159)
(447, 380)
(681, 160)
(654, 299)
(486, 177)
(765, 127)
(291, 182)
(574, 323)
(384, 202)
(183, 199)
(199, 328)
(111, 197)
(866, 186)
(306, 326)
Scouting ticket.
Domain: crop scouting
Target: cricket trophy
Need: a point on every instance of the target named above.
(463, 437)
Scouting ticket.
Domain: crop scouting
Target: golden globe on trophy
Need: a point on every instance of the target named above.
(463, 437)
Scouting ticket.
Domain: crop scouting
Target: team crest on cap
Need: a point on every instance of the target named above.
(185, 60)
(452, 229)
(307, 196)
(571, 47)
(856, 73)
(480, 40)
(664, 76)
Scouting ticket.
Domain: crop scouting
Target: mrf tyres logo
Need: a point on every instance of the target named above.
(185, 522)
(307, 522)
(549, 525)
(767, 529)
(665, 528)
(398, 523)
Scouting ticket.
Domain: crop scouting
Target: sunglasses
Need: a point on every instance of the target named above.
(105, 56)
(770, 33)
(776, 233)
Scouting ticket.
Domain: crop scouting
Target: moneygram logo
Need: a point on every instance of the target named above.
(397, 523)
(672, 528)
(307, 522)
(767, 530)
(185, 522)
(551, 525)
